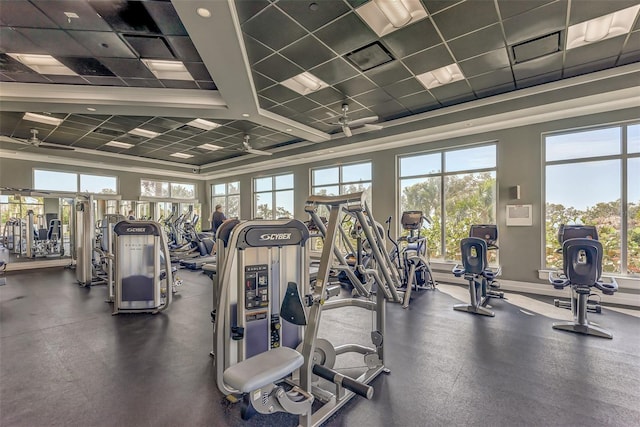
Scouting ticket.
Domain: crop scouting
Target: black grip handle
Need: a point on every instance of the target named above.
(359, 388)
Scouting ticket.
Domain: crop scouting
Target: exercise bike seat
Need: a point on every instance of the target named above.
(262, 369)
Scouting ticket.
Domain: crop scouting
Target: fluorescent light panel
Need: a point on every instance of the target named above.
(181, 155)
(143, 132)
(441, 76)
(43, 64)
(47, 120)
(304, 83)
(387, 16)
(168, 70)
(203, 124)
(119, 144)
(602, 28)
(210, 147)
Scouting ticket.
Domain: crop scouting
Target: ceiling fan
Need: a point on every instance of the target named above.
(347, 124)
(34, 141)
(247, 148)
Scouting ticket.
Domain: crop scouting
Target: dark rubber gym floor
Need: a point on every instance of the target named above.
(64, 360)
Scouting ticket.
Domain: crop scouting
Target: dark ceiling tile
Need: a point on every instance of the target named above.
(279, 94)
(24, 14)
(150, 47)
(322, 114)
(452, 90)
(334, 71)
(372, 98)
(256, 51)
(105, 81)
(629, 58)
(12, 41)
(434, 6)
(404, 88)
(539, 79)
(457, 99)
(85, 66)
(262, 26)
(509, 8)
(492, 79)
(465, 17)
(54, 42)
(277, 68)
(179, 84)
(10, 65)
(490, 61)
(165, 123)
(206, 85)
(101, 43)
(87, 19)
(246, 9)
(419, 102)
(355, 86)
(5, 78)
(301, 104)
(127, 68)
(346, 34)
(539, 66)
(582, 68)
(165, 17)
(496, 90)
(197, 70)
(477, 43)
(126, 16)
(413, 38)
(133, 82)
(326, 96)
(593, 52)
(184, 49)
(536, 23)
(633, 42)
(307, 52)
(429, 59)
(583, 10)
(388, 73)
(261, 82)
(68, 80)
(390, 110)
(325, 12)
(265, 103)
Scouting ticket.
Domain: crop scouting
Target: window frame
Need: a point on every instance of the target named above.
(170, 196)
(78, 180)
(341, 183)
(226, 195)
(273, 191)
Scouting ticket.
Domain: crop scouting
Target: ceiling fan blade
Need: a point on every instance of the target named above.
(370, 128)
(4, 138)
(258, 152)
(347, 130)
(49, 146)
(363, 121)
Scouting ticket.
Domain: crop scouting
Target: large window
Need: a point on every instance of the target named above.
(454, 189)
(167, 190)
(73, 182)
(227, 195)
(273, 197)
(585, 184)
(343, 179)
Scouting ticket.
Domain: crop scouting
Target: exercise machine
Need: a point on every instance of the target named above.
(266, 319)
(143, 275)
(105, 247)
(84, 240)
(411, 259)
(582, 270)
(475, 269)
(574, 231)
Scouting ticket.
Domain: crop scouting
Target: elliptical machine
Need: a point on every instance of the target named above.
(411, 260)
(476, 270)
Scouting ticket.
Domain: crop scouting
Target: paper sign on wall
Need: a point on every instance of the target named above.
(520, 215)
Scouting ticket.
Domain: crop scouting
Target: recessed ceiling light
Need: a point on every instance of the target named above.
(91, 109)
(43, 64)
(39, 118)
(70, 15)
(205, 13)
(203, 124)
(601, 28)
(288, 129)
(143, 132)
(210, 147)
(119, 144)
(245, 114)
(387, 16)
(304, 83)
(167, 70)
(181, 155)
(441, 76)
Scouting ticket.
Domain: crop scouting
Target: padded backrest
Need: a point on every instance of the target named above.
(474, 255)
(582, 261)
(54, 231)
(572, 231)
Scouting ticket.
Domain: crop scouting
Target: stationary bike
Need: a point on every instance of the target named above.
(475, 269)
(411, 259)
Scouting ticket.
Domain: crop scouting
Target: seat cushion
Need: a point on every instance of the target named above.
(262, 369)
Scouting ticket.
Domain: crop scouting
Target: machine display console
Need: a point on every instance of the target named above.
(256, 283)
